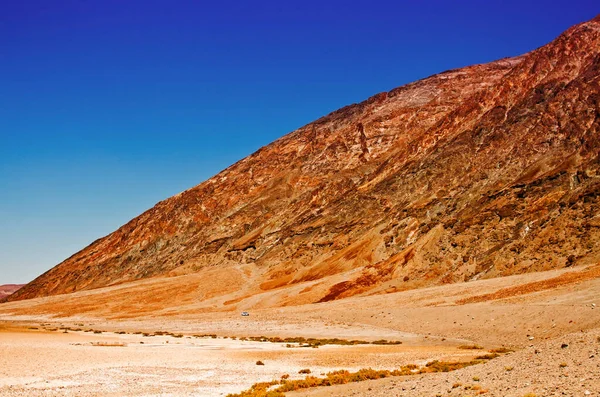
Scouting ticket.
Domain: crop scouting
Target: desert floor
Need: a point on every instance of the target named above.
(535, 314)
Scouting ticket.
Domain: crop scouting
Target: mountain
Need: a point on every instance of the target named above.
(7, 289)
(479, 172)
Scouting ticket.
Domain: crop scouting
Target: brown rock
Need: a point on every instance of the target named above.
(473, 173)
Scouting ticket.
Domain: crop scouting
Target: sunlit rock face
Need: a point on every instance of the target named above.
(478, 172)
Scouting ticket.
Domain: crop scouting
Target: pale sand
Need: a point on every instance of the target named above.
(41, 363)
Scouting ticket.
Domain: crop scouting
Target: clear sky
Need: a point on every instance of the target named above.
(107, 107)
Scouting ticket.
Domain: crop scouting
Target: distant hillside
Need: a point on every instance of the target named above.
(8, 289)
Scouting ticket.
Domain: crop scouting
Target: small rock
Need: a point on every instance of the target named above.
(564, 346)
(587, 392)
(531, 338)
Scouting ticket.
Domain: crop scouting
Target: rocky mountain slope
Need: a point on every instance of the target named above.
(7, 289)
(478, 172)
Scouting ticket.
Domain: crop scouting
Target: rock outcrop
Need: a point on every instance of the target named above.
(478, 172)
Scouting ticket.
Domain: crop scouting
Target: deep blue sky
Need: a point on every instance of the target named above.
(107, 107)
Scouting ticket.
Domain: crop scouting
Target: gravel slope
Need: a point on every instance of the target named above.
(565, 366)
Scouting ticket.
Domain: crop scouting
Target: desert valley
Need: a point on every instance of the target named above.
(439, 239)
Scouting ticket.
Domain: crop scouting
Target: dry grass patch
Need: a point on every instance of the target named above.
(487, 356)
(470, 347)
(314, 342)
(269, 389)
(501, 350)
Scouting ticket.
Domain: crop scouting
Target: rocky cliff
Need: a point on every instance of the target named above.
(478, 172)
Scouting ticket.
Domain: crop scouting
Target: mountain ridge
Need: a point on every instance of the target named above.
(469, 173)
(8, 289)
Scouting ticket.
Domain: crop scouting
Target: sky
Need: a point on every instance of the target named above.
(107, 107)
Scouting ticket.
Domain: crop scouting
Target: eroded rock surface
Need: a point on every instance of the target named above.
(473, 173)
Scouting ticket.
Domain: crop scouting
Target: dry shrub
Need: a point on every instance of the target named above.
(446, 366)
(344, 376)
(315, 342)
(487, 356)
(470, 347)
(501, 350)
(386, 342)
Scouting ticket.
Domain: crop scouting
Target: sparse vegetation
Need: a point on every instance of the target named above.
(487, 356)
(501, 350)
(304, 371)
(470, 347)
(311, 342)
(259, 390)
(265, 389)
(445, 366)
(386, 342)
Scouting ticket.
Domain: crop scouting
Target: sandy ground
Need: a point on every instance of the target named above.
(534, 314)
(39, 362)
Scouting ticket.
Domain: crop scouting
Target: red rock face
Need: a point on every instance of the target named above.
(478, 172)
(8, 289)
